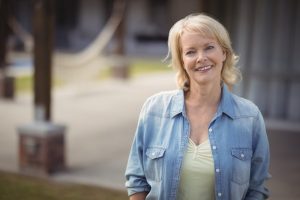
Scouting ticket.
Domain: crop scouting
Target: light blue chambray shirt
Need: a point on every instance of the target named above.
(238, 141)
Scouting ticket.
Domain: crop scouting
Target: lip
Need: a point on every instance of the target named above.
(203, 68)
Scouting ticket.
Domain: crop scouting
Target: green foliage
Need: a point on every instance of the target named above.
(14, 187)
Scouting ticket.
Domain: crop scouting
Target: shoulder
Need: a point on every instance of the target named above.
(164, 96)
(161, 103)
(243, 107)
(236, 106)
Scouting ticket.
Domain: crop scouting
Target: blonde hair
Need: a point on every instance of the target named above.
(208, 27)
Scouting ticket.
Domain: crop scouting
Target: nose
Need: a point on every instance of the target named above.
(201, 57)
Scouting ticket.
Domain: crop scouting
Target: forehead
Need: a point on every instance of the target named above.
(195, 38)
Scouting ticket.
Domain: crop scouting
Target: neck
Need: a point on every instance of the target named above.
(204, 96)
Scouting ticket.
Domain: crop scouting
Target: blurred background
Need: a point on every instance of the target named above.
(83, 68)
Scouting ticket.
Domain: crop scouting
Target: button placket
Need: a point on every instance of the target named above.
(217, 170)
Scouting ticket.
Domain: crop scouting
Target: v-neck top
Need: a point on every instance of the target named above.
(197, 173)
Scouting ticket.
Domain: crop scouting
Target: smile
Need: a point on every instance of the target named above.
(204, 68)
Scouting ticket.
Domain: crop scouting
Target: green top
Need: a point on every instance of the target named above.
(197, 173)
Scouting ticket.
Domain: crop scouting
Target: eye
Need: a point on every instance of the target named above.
(189, 53)
(209, 47)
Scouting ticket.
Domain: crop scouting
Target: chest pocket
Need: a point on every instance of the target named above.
(241, 164)
(154, 163)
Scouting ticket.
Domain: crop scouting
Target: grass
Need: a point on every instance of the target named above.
(25, 83)
(146, 66)
(13, 186)
(137, 67)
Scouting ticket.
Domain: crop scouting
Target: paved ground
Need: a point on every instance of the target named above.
(101, 120)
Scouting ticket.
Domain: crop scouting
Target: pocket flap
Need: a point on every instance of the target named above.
(155, 152)
(242, 153)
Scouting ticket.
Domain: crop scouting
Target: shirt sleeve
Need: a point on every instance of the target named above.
(260, 162)
(134, 174)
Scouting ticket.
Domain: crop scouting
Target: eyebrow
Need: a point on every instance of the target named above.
(188, 49)
(210, 43)
(205, 44)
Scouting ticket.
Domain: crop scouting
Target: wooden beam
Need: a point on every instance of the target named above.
(43, 23)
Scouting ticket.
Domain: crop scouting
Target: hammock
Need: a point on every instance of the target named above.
(87, 63)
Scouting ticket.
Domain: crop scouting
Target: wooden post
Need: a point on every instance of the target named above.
(120, 32)
(4, 31)
(6, 81)
(43, 23)
(42, 143)
(120, 68)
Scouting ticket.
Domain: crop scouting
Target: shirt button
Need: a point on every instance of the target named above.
(242, 155)
(219, 194)
(217, 170)
(210, 129)
(214, 147)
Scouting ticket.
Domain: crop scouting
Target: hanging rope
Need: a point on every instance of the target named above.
(94, 49)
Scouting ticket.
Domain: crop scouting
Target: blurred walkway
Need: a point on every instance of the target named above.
(101, 120)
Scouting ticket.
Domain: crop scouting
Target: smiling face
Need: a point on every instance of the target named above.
(202, 58)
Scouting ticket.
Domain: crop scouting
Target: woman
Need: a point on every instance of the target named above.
(201, 141)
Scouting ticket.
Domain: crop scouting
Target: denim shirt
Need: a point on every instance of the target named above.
(238, 141)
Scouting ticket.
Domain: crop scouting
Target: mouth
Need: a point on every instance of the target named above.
(203, 68)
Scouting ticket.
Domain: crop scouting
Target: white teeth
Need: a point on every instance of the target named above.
(203, 68)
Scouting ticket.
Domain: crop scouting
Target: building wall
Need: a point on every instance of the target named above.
(266, 40)
(147, 26)
(91, 19)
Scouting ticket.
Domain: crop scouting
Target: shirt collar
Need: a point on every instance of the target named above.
(226, 103)
(225, 106)
(177, 106)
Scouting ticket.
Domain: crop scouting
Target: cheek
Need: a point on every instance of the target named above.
(188, 61)
(185, 63)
